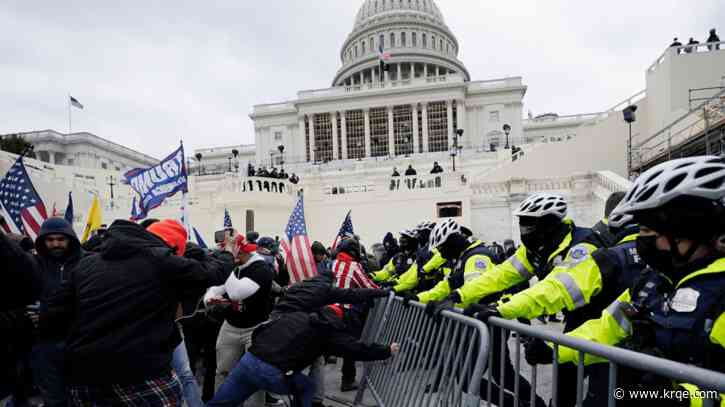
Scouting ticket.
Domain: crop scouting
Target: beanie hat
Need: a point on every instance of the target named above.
(318, 249)
(172, 233)
(243, 245)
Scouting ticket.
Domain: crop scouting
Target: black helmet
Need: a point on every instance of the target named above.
(267, 243)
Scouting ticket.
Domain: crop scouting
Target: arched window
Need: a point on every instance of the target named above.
(415, 39)
(392, 40)
(381, 42)
(425, 41)
(363, 47)
(355, 51)
(403, 40)
(448, 48)
(441, 46)
(372, 44)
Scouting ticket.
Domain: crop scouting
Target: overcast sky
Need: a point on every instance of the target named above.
(151, 73)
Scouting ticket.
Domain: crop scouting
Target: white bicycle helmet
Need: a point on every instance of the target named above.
(409, 233)
(617, 220)
(425, 226)
(702, 177)
(540, 205)
(443, 231)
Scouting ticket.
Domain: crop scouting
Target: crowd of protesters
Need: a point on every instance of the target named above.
(271, 173)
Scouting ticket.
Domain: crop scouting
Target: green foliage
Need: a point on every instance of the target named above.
(16, 144)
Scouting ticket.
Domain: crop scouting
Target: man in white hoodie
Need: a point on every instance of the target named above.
(247, 301)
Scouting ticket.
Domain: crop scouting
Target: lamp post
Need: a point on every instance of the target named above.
(111, 183)
(629, 117)
(455, 148)
(507, 131)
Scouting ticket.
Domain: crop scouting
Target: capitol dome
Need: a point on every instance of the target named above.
(413, 32)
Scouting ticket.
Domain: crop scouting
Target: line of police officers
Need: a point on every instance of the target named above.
(649, 277)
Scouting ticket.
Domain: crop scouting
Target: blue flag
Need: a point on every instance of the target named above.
(227, 220)
(69, 209)
(199, 240)
(159, 182)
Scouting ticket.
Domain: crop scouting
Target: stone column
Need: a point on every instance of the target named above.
(425, 70)
(313, 156)
(333, 119)
(343, 129)
(462, 124)
(367, 133)
(426, 141)
(438, 70)
(391, 132)
(412, 70)
(416, 135)
(301, 124)
(449, 111)
(362, 78)
(400, 72)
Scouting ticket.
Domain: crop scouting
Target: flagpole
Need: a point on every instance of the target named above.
(69, 115)
(184, 198)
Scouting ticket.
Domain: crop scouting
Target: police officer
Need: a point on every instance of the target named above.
(676, 309)
(428, 269)
(401, 262)
(548, 239)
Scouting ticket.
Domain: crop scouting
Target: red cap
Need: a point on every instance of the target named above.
(243, 245)
(172, 233)
(336, 309)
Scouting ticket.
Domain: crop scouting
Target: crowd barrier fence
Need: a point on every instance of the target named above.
(443, 363)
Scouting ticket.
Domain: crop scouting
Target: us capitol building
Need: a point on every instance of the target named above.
(344, 141)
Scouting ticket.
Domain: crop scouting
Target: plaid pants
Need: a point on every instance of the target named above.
(161, 392)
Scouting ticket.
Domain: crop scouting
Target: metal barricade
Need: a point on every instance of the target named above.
(441, 362)
(708, 381)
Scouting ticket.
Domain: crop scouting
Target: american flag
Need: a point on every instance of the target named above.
(350, 274)
(298, 252)
(382, 55)
(227, 220)
(21, 202)
(345, 230)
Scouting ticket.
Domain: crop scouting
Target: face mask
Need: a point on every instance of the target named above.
(660, 260)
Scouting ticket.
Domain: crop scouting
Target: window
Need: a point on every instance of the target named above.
(307, 137)
(392, 40)
(355, 51)
(433, 41)
(448, 48)
(118, 168)
(379, 131)
(494, 116)
(277, 135)
(403, 40)
(323, 137)
(355, 126)
(381, 42)
(363, 47)
(425, 41)
(415, 39)
(372, 44)
(450, 209)
(104, 166)
(441, 46)
(403, 129)
(437, 126)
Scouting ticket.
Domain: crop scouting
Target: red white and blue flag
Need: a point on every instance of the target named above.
(22, 207)
(297, 248)
(345, 230)
(382, 55)
(227, 220)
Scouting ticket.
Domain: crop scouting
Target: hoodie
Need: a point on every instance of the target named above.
(119, 307)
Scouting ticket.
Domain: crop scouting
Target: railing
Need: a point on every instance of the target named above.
(414, 182)
(342, 90)
(440, 362)
(707, 115)
(612, 182)
(272, 185)
(686, 50)
(565, 120)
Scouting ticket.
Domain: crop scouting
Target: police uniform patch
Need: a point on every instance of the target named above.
(481, 264)
(685, 300)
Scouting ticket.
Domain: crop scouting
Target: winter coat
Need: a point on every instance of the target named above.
(120, 306)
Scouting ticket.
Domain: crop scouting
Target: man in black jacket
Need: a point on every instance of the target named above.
(120, 305)
(58, 251)
(21, 286)
(286, 345)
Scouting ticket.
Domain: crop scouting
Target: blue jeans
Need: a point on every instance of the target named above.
(47, 360)
(180, 364)
(251, 375)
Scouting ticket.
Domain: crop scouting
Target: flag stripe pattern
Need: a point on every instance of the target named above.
(21, 201)
(227, 220)
(351, 275)
(345, 229)
(298, 251)
(69, 209)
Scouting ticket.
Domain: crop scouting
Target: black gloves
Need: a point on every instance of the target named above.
(194, 252)
(408, 297)
(537, 352)
(482, 311)
(436, 308)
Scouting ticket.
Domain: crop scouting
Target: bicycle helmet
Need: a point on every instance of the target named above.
(542, 204)
(443, 231)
